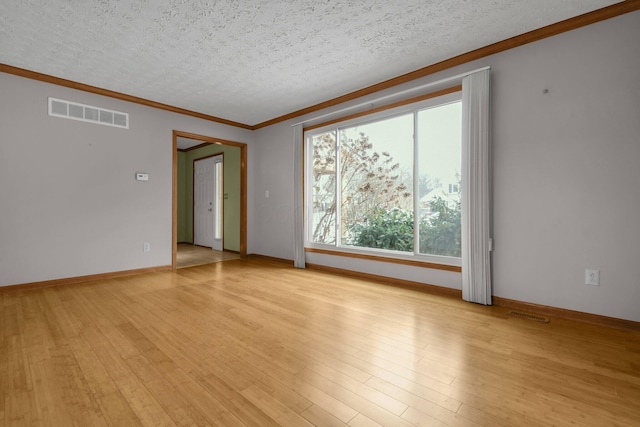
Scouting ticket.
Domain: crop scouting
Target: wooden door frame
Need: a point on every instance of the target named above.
(193, 195)
(243, 189)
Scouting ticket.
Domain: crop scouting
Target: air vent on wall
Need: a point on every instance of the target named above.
(87, 113)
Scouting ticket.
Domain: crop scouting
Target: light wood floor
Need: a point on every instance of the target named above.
(250, 342)
(190, 255)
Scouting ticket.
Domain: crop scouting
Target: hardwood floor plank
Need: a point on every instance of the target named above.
(20, 409)
(176, 405)
(92, 369)
(479, 416)
(419, 390)
(67, 325)
(324, 403)
(113, 338)
(48, 404)
(563, 408)
(429, 372)
(210, 407)
(437, 412)
(170, 399)
(420, 418)
(36, 336)
(148, 349)
(381, 399)
(3, 397)
(272, 382)
(305, 390)
(117, 410)
(146, 408)
(256, 343)
(383, 369)
(108, 354)
(76, 394)
(353, 399)
(319, 417)
(363, 421)
(241, 407)
(273, 408)
(190, 255)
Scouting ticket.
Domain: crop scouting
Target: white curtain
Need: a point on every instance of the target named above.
(476, 201)
(298, 209)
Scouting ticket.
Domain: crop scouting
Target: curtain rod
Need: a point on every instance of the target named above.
(382, 98)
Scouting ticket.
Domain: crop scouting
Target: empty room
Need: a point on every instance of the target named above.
(319, 213)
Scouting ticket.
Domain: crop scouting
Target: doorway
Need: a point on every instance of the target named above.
(190, 255)
(208, 202)
(234, 194)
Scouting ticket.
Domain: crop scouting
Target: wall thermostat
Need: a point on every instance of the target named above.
(142, 176)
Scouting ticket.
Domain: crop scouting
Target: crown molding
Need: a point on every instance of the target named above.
(501, 46)
(589, 18)
(9, 69)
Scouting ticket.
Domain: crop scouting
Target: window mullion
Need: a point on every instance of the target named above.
(338, 192)
(416, 187)
(308, 192)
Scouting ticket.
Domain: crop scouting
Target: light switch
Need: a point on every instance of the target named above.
(142, 176)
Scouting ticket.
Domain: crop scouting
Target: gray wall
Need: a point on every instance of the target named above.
(566, 178)
(566, 168)
(272, 225)
(69, 204)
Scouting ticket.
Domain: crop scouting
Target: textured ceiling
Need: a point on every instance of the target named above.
(253, 60)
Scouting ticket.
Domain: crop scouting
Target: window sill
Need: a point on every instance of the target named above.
(380, 258)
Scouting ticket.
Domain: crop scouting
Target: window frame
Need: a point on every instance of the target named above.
(359, 120)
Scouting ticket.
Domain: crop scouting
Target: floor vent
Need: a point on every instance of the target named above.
(529, 316)
(87, 113)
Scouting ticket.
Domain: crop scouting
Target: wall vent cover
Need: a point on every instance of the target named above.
(88, 113)
(529, 316)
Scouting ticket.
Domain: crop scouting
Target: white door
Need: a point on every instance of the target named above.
(207, 202)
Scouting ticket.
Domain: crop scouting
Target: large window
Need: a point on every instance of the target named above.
(389, 182)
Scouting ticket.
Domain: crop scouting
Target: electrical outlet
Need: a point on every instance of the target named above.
(146, 247)
(592, 277)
